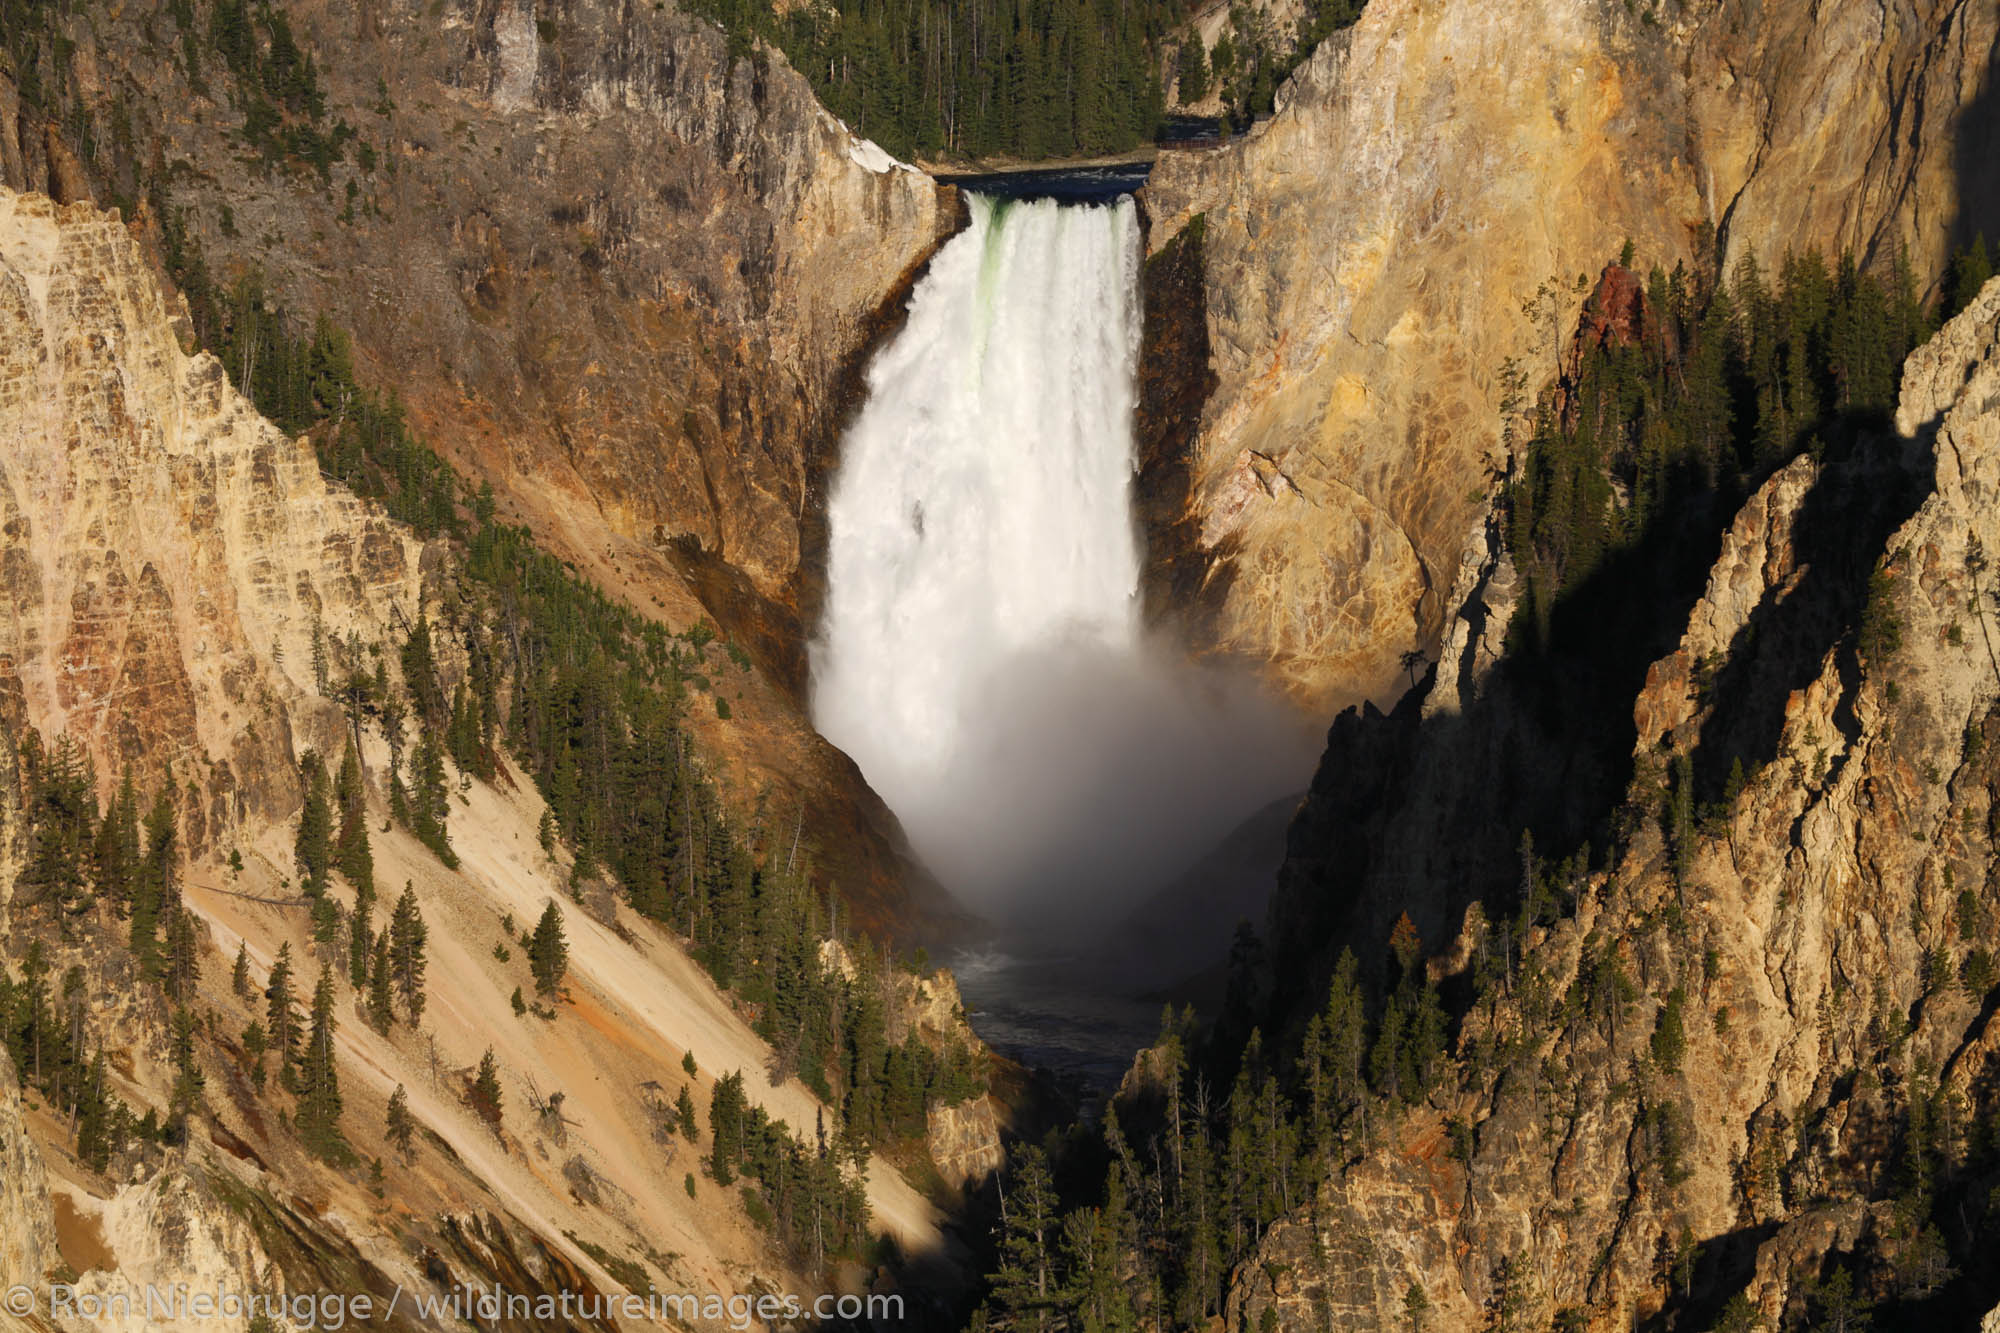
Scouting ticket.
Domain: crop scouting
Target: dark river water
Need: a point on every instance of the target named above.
(1053, 1014)
(1069, 185)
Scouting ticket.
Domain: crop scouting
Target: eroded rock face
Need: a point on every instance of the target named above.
(1793, 929)
(1375, 251)
(166, 1229)
(168, 558)
(174, 570)
(618, 271)
(964, 1141)
(27, 1235)
(1758, 562)
(609, 262)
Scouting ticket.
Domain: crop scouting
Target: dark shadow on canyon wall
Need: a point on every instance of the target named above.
(1428, 815)
(1977, 150)
(1183, 586)
(1836, 538)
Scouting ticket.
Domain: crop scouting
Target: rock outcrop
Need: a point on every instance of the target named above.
(964, 1141)
(1707, 1059)
(1433, 182)
(172, 564)
(611, 259)
(26, 1229)
(167, 1229)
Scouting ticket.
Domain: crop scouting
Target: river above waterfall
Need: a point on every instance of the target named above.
(1097, 184)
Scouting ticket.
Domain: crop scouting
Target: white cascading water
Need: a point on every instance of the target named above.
(982, 657)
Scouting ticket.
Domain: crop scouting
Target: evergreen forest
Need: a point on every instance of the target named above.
(1022, 78)
(974, 78)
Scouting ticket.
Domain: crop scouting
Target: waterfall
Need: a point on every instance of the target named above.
(982, 656)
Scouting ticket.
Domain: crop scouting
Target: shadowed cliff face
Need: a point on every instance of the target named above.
(1179, 583)
(1808, 930)
(607, 262)
(607, 267)
(1374, 253)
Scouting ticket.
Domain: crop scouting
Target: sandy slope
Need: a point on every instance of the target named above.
(631, 1011)
(652, 986)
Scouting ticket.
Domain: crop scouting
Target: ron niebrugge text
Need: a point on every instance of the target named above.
(332, 1311)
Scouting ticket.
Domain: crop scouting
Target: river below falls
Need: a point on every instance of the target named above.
(1045, 1012)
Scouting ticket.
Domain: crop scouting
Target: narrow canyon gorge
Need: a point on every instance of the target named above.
(612, 690)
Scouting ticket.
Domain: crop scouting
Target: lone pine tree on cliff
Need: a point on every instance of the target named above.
(548, 952)
(281, 1012)
(399, 1125)
(407, 938)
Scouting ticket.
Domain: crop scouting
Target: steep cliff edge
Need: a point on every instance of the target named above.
(1431, 185)
(1752, 1059)
(605, 255)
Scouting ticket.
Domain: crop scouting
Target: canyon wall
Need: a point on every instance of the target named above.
(177, 573)
(620, 269)
(1421, 206)
(1752, 1034)
(24, 1190)
(608, 259)
(172, 564)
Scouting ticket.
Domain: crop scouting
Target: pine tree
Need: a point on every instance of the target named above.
(462, 735)
(184, 1098)
(357, 863)
(255, 1045)
(239, 976)
(1093, 1293)
(399, 1125)
(1970, 270)
(156, 888)
(548, 952)
(407, 937)
(399, 797)
(319, 1078)
(381, 988)
(115, 854)
(726, 1114)
(420, 674)
(281, 1012)
(430, 800)
(94, 1128)
(361, 936)
(684, 1113)
(352, 854)
(1336, 1088)
(61, 814)
(1193, 81)
(1024, 1284)
(180, 966)
(485, 1098)
(313, 846)
(1839, 1307)
(1507, 1307)
(1416, 1308)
